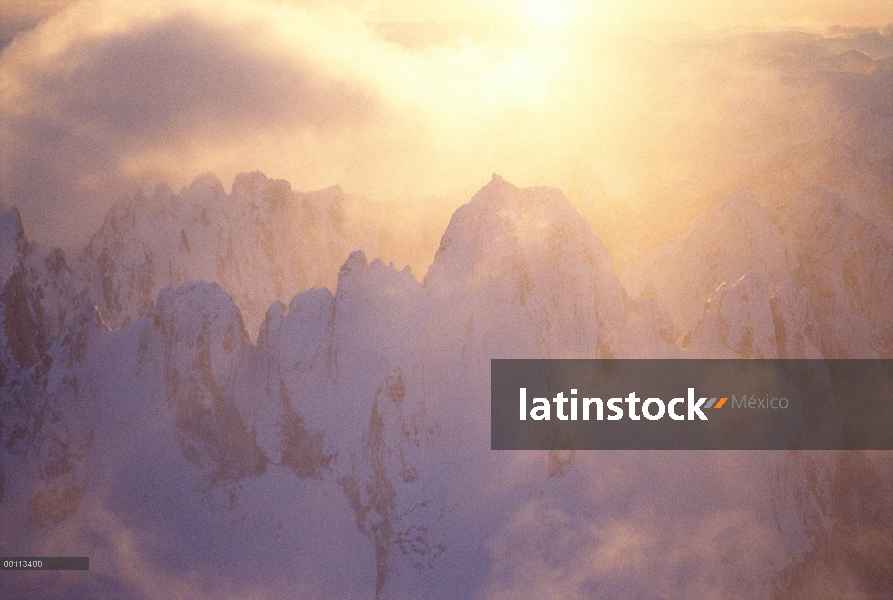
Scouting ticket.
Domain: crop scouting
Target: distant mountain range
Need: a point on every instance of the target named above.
(164, 411)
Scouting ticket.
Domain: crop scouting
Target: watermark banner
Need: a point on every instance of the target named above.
(631, 404)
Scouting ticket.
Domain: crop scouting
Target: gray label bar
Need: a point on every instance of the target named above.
(691, 404)
(45, 563)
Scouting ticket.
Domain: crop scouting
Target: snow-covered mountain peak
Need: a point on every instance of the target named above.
(516, 256)
(377, 300)
(204, 189)
(814, 213)
(163, 193)
(735, 237)
(198, 337)
(365, 410)
(357, 269)
(745, 320)
(504, 223)
(739, 211)
(356, 261)
(817, 258)
(199, 318)
(196, 306)
(257, 185)
(261, 243)
(737, 322)
(845, 264)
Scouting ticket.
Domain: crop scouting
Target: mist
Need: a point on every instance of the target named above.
(642, 125)
(229, 385)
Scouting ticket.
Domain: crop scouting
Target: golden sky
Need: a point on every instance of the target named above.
(704, 13)
(400, 100)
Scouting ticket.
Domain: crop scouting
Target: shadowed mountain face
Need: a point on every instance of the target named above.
(345, 453)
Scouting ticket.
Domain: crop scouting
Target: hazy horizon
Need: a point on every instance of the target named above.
(641, 124)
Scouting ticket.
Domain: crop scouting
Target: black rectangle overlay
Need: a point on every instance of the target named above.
(747, 404)
(45, 563)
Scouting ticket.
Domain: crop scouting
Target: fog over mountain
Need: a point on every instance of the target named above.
(255, 263)
(643, 127)
(157, 438)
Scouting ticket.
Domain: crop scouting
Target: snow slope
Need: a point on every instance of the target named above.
(345, 453)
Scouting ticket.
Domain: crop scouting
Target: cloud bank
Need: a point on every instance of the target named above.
(640, 125)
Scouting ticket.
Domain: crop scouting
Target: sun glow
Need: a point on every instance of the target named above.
(398, 99)
(550, 14)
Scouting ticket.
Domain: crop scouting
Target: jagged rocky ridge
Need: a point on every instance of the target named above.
(367, 406)
(817, 280)
(260, 243)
